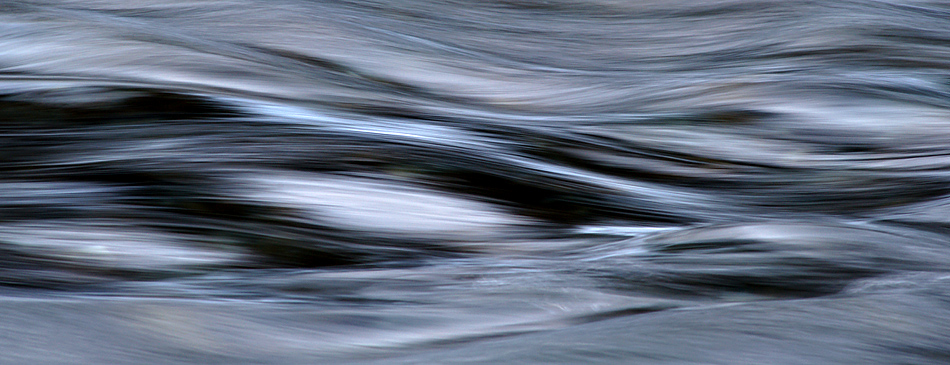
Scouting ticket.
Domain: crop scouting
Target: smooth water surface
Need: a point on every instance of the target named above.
(520, 181)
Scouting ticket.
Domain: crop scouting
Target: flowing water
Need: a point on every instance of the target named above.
(460, 181)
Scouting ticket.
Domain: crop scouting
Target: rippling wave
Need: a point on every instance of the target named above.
(414, 181)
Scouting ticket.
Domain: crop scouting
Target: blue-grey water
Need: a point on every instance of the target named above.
(461, 181)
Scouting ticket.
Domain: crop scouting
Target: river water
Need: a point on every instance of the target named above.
(456, 181)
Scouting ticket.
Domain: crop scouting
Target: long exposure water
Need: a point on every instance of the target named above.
(461, 181)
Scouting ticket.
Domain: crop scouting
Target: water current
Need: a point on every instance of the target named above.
(461, 181)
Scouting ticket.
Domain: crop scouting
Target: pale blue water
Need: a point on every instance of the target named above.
(563, 181)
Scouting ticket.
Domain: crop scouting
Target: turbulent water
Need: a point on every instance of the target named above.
(518, 181)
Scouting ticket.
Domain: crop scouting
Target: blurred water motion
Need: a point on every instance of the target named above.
(524, 181)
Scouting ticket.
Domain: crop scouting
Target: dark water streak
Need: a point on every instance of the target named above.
(558, 181)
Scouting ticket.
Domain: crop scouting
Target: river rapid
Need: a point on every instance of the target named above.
(455, 181)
